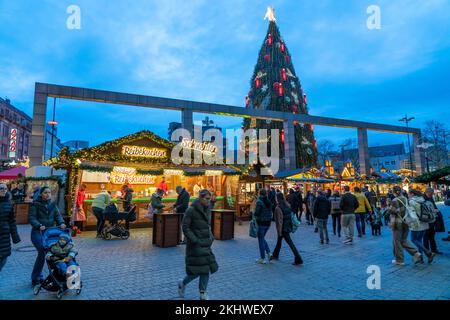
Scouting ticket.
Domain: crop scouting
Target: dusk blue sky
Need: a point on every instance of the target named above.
(207, 50)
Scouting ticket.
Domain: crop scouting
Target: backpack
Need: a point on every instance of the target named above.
(427, 212)
(410, 217)
(295, 222)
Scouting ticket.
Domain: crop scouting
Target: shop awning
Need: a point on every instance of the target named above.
(13, 173)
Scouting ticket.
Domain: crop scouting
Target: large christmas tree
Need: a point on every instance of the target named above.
(275, 86)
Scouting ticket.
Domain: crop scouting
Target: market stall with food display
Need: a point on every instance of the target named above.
(143, 162)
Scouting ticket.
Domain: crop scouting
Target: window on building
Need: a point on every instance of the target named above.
(393, 162)
(5, 131)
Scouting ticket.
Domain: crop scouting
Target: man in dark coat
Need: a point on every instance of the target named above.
(43, 214)
(182, 203)
(429, 240)
(8, 228)
(18, 193)
(294, 201)
(348, 204)
(321, 211)
(128, 197)
(200, 260)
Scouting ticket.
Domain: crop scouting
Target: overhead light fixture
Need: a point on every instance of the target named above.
(78, 161)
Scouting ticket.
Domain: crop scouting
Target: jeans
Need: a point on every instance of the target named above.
(348, 224)
(290, 243)
(417, 239)
(263, 246)
(202, 284)
(2, 262)
(428, 240)
(62, 266)
(98, 213)
(323, 231)
(36, 239)
(337, 223)
(400, 241)
(361, 223)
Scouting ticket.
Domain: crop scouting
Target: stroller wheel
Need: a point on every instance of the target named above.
(59, 294)
(125, 235)
(36, 289)
(107, 236)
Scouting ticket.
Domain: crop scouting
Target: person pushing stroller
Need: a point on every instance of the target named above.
(62, 254)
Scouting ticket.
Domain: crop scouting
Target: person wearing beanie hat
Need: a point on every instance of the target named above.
(62, 253)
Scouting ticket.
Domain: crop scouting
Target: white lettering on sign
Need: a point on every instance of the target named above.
(12, 142)
(126, 170)
(137, 151)
(204, 147)
(120, 178)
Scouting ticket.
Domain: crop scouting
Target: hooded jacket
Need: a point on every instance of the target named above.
(44, 213)
(263, 211)
(8, 228)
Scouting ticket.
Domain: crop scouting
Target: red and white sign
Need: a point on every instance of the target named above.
(12, 142)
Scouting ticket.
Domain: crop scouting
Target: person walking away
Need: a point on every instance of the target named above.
(127, 199)
(263, 215)
(321, 211)
(283, 221)
(8, 228)
(348, 205)
(418, 229)
(43, 214)
(294, 201)
(272, 196)
(200, 260)
(299, 196)
(429, 240)
(309, 202)
(361, 212)
(336, 213)
(98, 207)
(182, 203)
(400, 229)
(78, 215)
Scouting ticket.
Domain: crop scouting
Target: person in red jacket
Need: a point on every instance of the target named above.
(163, 186)
(78, 215)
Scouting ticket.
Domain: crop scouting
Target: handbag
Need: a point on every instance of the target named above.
(253, 230)
(439, 225)
(295, 222)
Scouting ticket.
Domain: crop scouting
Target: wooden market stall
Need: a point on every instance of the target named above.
(142, 160)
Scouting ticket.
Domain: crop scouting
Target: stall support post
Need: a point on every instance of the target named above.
(289, 145)
(418, 155)
(187, 121)
(363, 151)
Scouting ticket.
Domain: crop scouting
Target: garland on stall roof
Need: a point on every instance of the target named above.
(433, 176)
(154, 172)
(88, 167)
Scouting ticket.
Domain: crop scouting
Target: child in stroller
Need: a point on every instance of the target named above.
(60, 257)
(116, 221)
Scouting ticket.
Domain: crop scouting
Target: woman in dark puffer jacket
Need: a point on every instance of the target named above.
(8, 228)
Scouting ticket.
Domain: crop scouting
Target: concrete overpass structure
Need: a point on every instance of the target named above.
(187, 108)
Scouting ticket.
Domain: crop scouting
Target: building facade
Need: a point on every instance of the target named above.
(12, 118)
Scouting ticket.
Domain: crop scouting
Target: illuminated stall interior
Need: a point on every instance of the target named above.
(143, 161)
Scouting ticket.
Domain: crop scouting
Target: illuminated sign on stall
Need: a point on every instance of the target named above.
(12, 143)
(173, 172)
(204, 147)
(138, 151)
(120, 175)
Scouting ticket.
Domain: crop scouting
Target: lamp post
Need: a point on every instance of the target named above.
(425, 146)
(407, 120)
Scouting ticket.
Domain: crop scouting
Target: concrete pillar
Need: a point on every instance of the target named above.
(289, 146)
(187, 121)
(419, 160)
(36, 152)
(363, 151)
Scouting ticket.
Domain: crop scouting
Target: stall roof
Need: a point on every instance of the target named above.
(13, 173)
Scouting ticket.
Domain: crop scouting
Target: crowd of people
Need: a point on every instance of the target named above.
(411, 212)
(406, 213)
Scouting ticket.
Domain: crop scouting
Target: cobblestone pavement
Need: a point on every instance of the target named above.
(134, 269)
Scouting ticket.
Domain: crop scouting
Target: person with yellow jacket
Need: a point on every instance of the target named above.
(361, 212)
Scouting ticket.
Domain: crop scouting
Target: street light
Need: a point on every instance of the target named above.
(407, 120)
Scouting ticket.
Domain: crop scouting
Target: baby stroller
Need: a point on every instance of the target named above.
(116, 220)
(55, 281)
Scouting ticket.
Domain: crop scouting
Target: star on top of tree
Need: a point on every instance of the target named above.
(270, 14)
